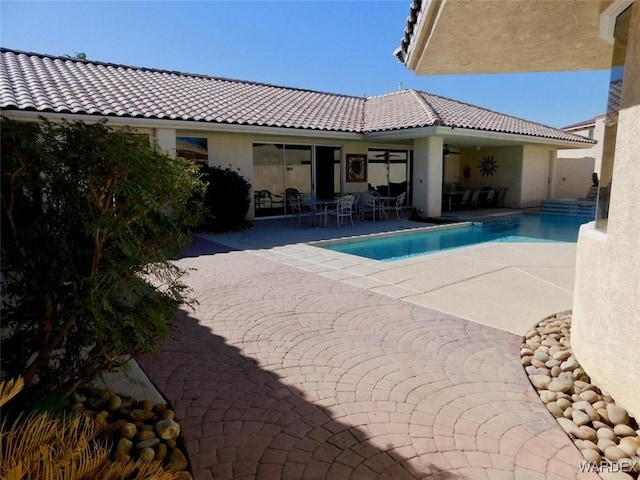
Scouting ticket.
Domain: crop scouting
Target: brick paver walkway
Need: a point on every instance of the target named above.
(282, 373)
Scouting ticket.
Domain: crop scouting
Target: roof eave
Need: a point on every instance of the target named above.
(515, 138)
(425, 25)
(452, 132)
(402, 134)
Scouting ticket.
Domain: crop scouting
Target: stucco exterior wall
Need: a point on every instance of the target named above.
(427, 176)
(606, 312)
(166, 139)
(508, 172)
(605, 333)
(452, 172)
(571, 177)
(536, 175)
(595, 151)
(234, 150)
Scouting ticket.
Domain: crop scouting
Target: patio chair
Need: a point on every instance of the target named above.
(290, 194)
(303, 206)
(369, 204)
(356, 205)
(266, 199)
(502, 192)
(491, 197)
(399, 204)
(475, 197)
(344, 208)
(294, 207)
(461, 201)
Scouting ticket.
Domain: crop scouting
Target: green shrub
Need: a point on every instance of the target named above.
(90, 217)
(226, 199)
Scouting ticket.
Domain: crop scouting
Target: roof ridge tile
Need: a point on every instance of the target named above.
(429, 110)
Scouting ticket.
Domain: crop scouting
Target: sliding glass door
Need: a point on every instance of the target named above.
(268, 179)
(282, 169)
(297, 161)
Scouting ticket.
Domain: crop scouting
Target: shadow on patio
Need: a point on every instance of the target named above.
(239, 420)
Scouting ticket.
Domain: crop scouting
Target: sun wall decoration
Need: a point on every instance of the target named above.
(488, 166)
(356, 168)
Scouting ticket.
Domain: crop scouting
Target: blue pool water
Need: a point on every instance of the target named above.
(520, 228)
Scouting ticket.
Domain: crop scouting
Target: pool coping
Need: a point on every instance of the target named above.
(395, 233)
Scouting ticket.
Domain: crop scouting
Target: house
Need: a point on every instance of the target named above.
(574, 168)
(281, 138)
(552, 36)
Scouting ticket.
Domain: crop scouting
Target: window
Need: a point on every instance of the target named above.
(195, 149)
(389, 171)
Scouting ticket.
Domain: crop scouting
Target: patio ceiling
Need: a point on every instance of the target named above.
(491, 36)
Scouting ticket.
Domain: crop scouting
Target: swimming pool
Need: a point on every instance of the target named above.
(516, 228)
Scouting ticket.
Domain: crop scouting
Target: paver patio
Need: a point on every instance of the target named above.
(280, 372)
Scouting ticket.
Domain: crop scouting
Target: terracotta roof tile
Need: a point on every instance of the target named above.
(44, 83)
(457, 114)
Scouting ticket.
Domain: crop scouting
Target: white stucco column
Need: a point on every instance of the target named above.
(427, 176)
(166, 138)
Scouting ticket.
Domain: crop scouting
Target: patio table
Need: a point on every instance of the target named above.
(383, 204)
(321, 204)
(451, 197)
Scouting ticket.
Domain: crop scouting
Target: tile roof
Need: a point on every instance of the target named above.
(414, 109)
(53, 84)
(44, 83)
(580, 125)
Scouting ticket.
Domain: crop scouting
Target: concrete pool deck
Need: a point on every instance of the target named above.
(510, 286)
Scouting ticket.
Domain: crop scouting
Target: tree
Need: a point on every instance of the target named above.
(77, 56)
(90, 218)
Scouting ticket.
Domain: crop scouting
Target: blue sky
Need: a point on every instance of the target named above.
(335, 46)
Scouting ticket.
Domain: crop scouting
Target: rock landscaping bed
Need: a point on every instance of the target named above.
(136, 429)
(607, 436)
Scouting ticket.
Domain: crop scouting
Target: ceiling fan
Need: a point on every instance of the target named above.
(446, 152)
(387, 155)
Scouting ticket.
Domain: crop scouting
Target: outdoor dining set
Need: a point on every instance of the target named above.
(346, 208)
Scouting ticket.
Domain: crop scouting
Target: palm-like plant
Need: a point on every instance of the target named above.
(41, 446)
